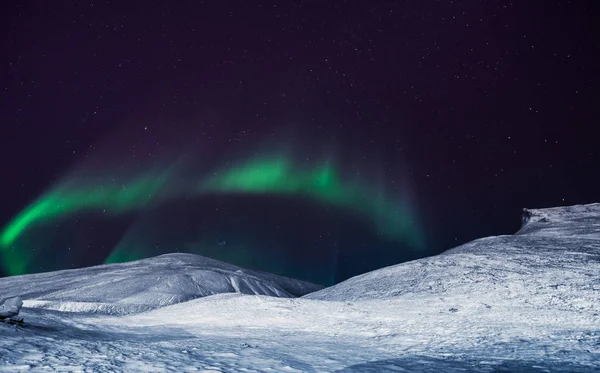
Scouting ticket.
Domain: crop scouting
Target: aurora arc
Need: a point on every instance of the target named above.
(64, 200)
(391, 216)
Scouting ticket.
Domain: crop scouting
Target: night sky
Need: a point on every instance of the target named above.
(313, 139)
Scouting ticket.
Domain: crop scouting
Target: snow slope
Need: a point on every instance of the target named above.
(144, 284)
(522, 303)
(553, 261)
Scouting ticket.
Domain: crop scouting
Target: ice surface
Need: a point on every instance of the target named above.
(522, 303)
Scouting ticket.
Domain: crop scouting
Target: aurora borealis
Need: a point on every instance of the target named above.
(63, 201)
(391, 218)
(275, 176)
(315, 140)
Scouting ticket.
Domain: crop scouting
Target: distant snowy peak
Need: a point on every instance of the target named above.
(145, 284)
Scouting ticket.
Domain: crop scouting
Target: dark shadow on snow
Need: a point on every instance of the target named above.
(422, 364)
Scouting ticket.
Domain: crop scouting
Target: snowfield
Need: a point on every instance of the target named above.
(528, 302)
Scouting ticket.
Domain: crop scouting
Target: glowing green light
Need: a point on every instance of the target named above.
(391, 217)
(62, 201)
(112, 199)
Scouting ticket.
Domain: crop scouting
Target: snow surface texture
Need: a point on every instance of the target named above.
(145, 284)
(529, 302)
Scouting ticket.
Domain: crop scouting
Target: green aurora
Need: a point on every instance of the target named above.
(391, 217)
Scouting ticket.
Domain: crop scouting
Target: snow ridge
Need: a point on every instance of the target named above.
(561, 214)
(555, 257)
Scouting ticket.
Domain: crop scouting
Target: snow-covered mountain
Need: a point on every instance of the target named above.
(553, 261)
(519, 303)
(145, 284)
(528, 302)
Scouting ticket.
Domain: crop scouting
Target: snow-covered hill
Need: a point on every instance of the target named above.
(553, 261)
(145, 284)
(525, 302)
(528, 302)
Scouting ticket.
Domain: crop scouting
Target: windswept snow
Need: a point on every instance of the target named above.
(529, 302)
(145, 284)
